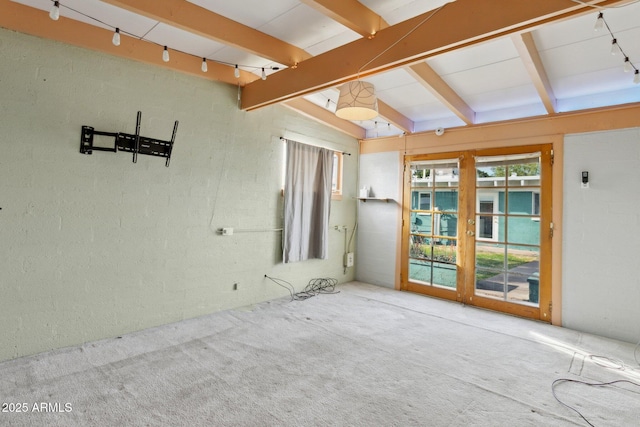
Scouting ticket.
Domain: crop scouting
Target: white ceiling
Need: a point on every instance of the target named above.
(490, 77)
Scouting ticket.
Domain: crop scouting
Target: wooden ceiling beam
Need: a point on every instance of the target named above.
(36, 22)
(528, 51)
(424, 74)
(203, 22)
(326, 117)
(456, 25)
(350, 13)
(513, 132)
(394, 117)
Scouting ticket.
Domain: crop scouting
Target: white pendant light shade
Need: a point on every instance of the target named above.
(357, 101)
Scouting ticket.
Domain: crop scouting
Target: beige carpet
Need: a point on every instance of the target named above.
(368, 356)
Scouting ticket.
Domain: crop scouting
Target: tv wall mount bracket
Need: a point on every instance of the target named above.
(135, 144)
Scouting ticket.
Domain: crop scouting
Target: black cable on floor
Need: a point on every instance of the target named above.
(610, 383)
(313, 288)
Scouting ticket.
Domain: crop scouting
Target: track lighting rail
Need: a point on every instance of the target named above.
(133, 143)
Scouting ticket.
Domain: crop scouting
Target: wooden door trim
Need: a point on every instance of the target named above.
(405, 284)
(465, 291)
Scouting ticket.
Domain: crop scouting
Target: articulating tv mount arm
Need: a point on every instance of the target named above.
(135, 144)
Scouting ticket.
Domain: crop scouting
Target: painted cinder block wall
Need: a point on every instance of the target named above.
(377, 220)
(601, 225)
(96, 246)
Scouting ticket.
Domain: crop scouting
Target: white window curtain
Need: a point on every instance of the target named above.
(307, 201)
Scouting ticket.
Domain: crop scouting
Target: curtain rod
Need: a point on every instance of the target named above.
(282, 138)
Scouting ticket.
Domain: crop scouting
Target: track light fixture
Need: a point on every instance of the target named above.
(116, 37)
(54, 13)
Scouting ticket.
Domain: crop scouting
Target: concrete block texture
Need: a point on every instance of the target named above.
(600, 286)
(94, 246)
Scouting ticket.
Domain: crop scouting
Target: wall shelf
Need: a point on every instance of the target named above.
(375, 199)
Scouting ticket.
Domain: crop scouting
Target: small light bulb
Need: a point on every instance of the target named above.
(204, 65)
(614, 47)
(327, 104)
(599, 22)
(636, 77)
(54, 13)
(236, 72)
(165, 55)
(627, 65)
(264, 75)
(116, 37)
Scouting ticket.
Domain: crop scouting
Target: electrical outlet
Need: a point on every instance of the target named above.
(227, 231)
(348, 259)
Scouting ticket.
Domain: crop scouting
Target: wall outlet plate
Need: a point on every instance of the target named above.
(348, 259)
(227, 231)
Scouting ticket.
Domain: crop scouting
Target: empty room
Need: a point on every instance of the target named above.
(319, 212)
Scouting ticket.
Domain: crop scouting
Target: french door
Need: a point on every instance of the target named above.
(477, 228)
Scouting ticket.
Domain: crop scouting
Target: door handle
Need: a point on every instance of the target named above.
(471, 233)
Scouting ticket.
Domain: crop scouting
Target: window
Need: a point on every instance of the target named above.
(535, 204)
(424, 201)
(336, 180)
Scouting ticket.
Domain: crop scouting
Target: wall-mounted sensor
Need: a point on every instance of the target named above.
(585, 179)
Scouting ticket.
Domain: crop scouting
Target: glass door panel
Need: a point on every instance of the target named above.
(507, 249)
(477, 228)
(433, 231)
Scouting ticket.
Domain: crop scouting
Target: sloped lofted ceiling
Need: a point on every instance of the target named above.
(434, 63)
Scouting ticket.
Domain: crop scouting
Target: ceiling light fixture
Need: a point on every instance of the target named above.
(327, 104)
(54, 13)
(358, 100)
(614, 47)
(116, 37)
(599, 22)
